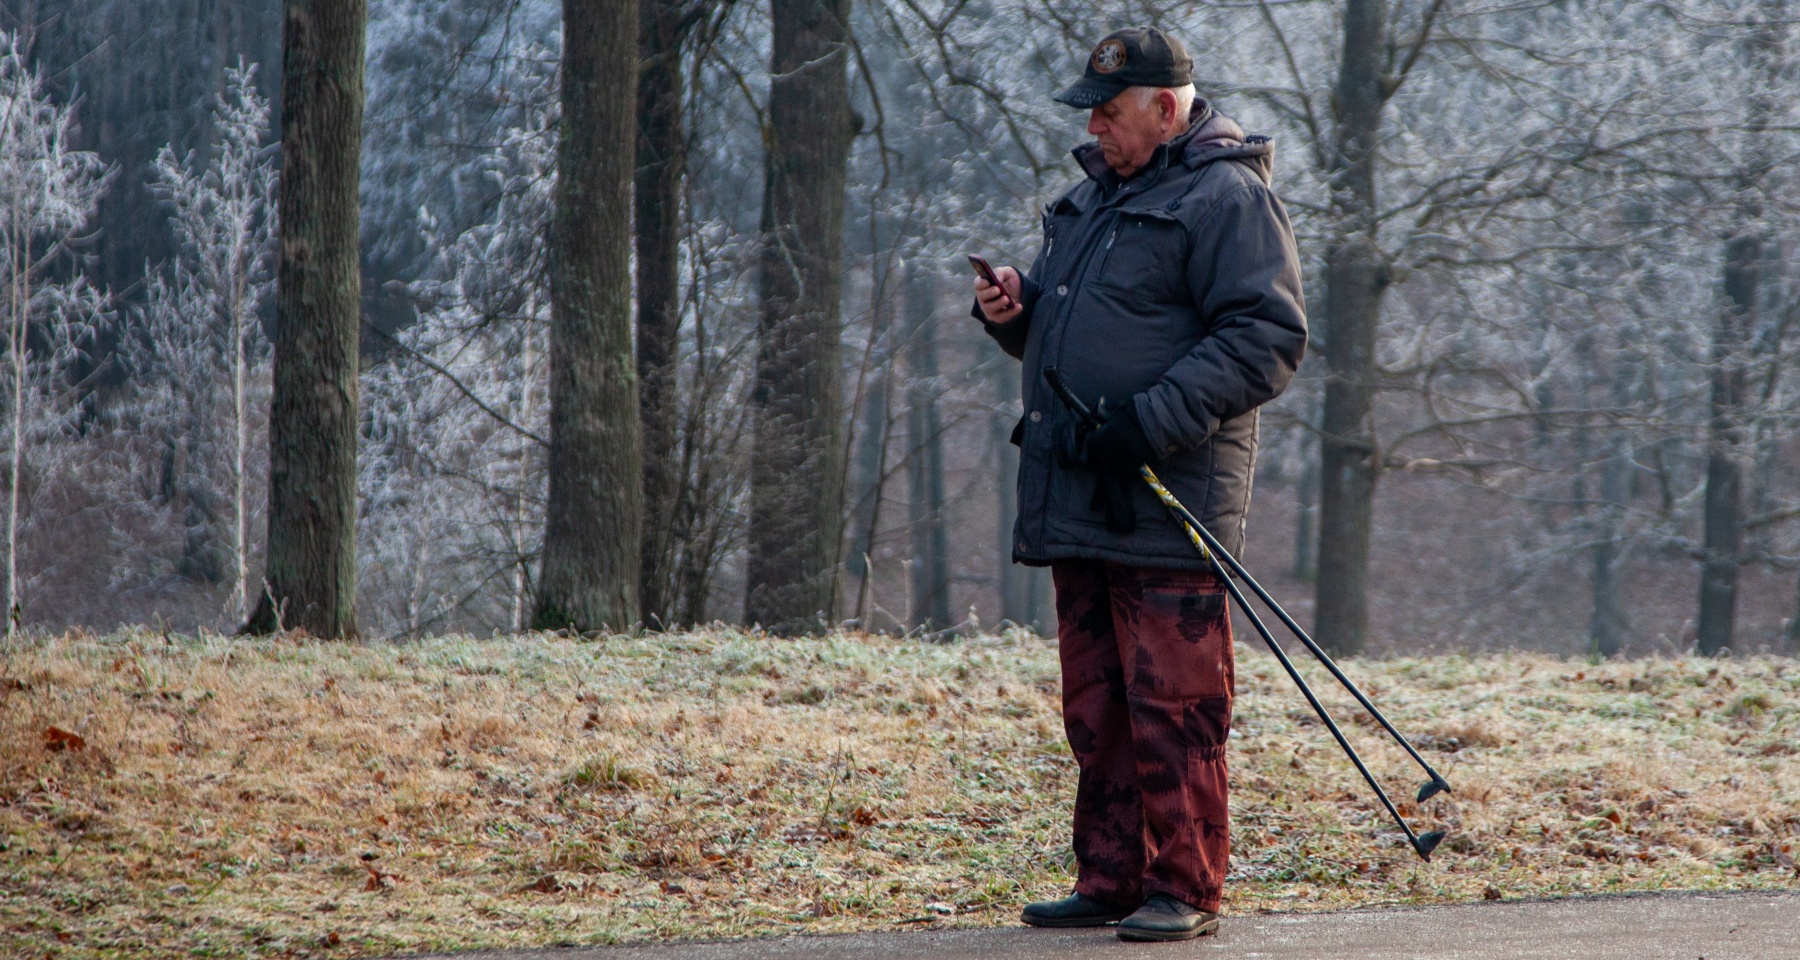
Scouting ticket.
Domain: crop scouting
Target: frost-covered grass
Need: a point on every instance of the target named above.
(290, 797)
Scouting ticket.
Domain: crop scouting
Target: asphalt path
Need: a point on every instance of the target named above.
(1653, 927)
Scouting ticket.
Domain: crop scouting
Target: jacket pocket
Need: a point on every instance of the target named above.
(1057, 228)
(1145, 252)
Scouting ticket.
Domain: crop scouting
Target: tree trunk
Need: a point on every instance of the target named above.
(242, 315)
(925, 466)
(1793, 631)
(869, 482)
(594, 516)
(1723, 510)
(663, 27)
(1306, 519)
(796, 482)
(1607, 626)
(310, 583)
(1355, 276)
(18, 326)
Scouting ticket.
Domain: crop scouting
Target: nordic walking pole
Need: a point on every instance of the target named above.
(1210, 548)
(1437, 784)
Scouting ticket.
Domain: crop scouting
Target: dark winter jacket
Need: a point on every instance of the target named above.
(1178, 291)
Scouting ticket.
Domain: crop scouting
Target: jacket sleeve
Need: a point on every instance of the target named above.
(1011, 334)
(1244, 275)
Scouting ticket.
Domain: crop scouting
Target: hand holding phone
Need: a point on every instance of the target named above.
(986, 272)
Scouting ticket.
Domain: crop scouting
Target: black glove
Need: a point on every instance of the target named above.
(1120, 442)
(1115, 451)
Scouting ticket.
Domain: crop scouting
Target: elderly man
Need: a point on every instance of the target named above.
(1167, 291)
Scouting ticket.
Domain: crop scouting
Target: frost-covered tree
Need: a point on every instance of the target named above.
(48, 192)
(204, 369)
(452, 471)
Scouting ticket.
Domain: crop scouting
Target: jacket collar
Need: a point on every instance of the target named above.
(1201, 119)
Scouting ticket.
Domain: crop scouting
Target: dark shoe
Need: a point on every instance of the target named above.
(1073, 910)
(1166, 918)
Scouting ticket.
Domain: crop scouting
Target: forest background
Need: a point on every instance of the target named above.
(1550, 269)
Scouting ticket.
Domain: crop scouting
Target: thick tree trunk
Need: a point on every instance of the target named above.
(310, 582)
(1355, 276)
(663, 26)
(796, 482)
(594, 516)
(925, 466)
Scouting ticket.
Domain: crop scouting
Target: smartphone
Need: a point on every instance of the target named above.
(986, 270)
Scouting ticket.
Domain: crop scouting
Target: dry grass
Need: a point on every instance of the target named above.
(294, 798)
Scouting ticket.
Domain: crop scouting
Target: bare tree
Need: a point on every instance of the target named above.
(48, 192)
(925, 461)
(453, 471)
(204, 328)
(1735, 328)
(665, 28)
(1356, 275)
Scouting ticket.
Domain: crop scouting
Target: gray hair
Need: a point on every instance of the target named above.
(1184, 97)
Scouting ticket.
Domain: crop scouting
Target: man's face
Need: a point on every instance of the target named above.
(1129, 128)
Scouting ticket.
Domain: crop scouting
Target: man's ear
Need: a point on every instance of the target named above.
(1166, 105)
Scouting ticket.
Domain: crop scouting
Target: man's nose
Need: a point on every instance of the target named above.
(1096, 125)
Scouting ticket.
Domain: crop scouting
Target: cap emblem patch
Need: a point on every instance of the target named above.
(1109, 56)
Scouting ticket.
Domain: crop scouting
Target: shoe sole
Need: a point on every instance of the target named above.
(1142, 935)
(1071, 922)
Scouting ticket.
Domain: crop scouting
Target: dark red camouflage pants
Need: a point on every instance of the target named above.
(1147, 681)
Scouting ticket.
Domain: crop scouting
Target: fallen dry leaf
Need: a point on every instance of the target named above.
(56, 739)
(379, 880)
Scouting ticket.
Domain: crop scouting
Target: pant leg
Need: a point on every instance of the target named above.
(1108, 830)
(1175, 638)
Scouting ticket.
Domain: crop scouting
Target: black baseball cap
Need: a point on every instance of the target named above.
(1133, 57)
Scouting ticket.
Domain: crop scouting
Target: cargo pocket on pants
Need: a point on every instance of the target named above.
(1182, 644)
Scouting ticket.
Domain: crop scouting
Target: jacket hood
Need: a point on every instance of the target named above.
(1210, 136)
(1220, 138)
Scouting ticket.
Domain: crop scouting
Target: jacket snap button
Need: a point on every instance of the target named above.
(1036, 416)
(1062, 290)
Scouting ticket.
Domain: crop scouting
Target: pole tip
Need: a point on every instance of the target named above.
(1428, 842)
(1432, 789)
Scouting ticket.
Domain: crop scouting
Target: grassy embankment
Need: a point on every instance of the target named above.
(292, 798)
